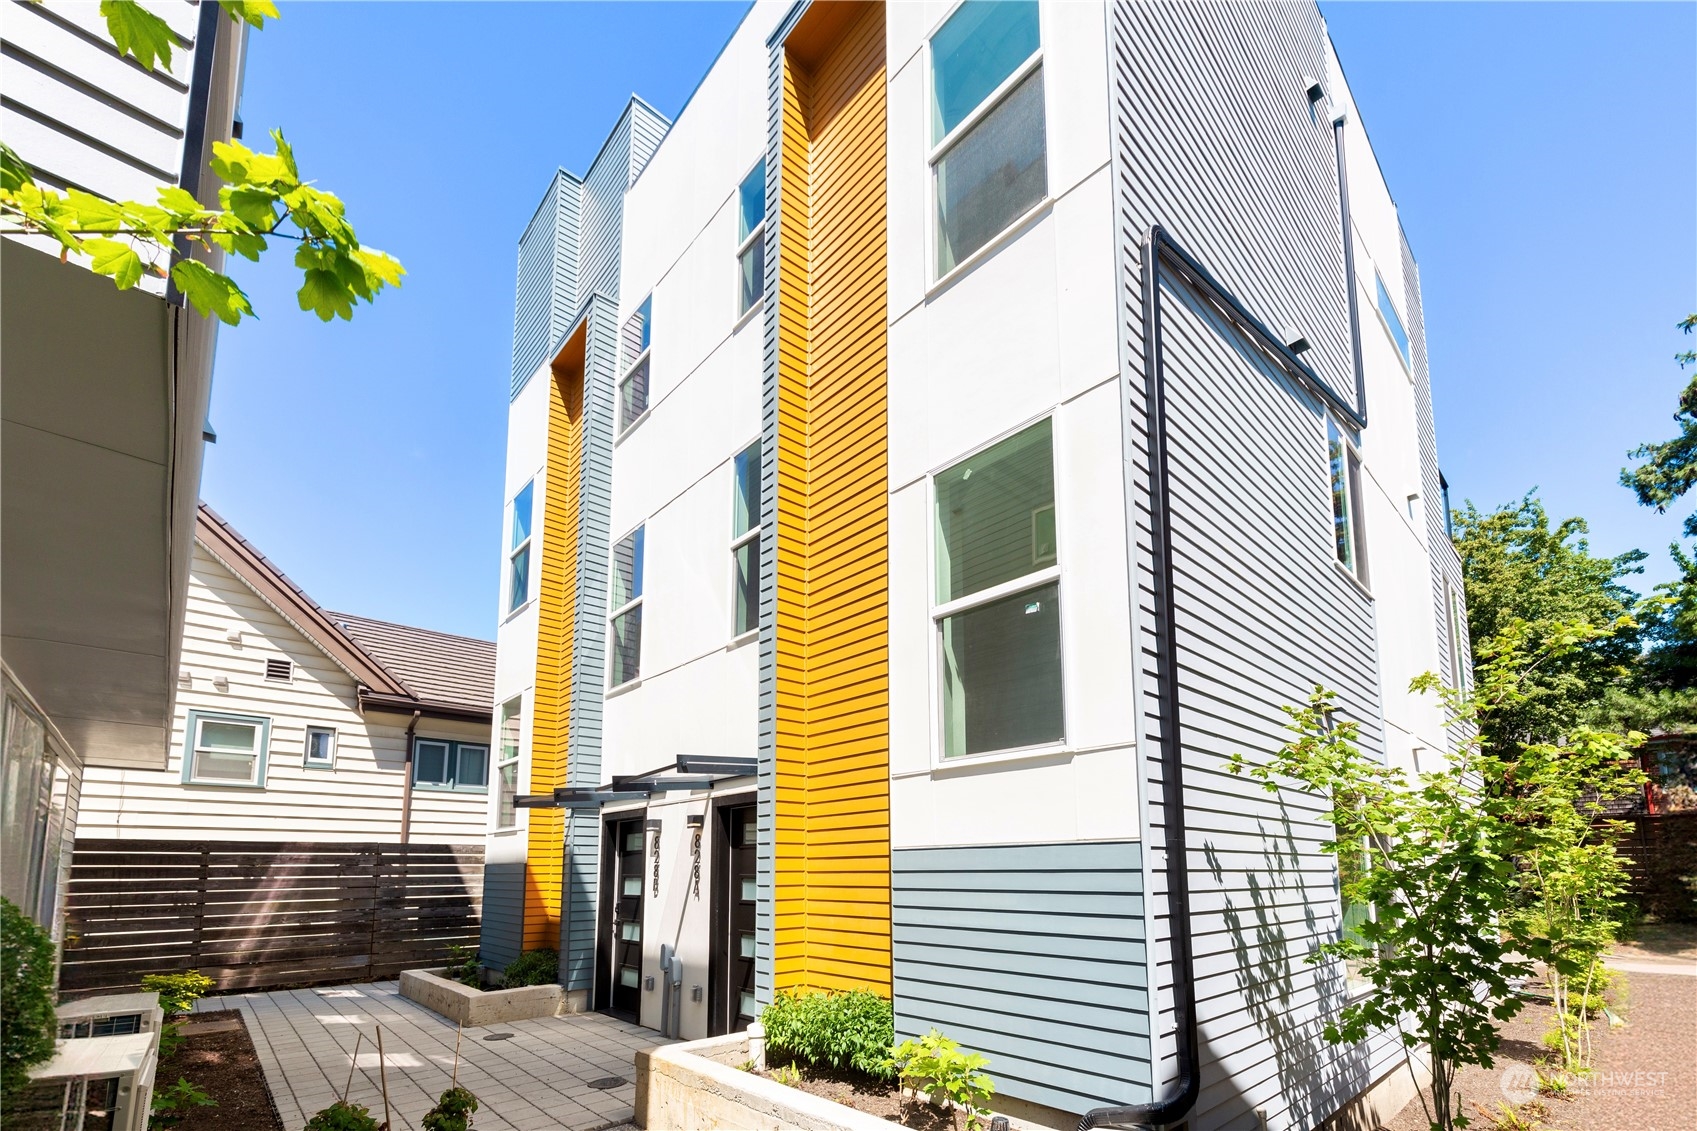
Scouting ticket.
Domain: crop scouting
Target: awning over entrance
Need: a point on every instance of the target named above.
(689, 772)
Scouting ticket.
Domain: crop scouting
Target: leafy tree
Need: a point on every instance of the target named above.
(1520, 570)
(1670, 467)
(262, 193)
(28, 1023)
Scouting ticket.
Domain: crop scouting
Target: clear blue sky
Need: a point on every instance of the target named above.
(1544, 158)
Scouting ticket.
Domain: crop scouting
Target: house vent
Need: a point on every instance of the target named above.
(281, 670)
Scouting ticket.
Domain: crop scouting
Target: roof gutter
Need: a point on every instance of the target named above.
(401, 704)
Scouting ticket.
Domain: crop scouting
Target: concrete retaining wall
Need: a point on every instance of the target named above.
(701, 1085)
(471, 1006)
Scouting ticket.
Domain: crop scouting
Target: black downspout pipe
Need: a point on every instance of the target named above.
(1160, 248)
(1349, 271)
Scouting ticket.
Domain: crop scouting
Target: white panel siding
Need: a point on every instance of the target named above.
(359, 800)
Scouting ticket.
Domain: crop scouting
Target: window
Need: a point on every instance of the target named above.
(1347, 537)
(1393, 323)
(507, 765)
(225, 749)
(439, 764)
(1352, 868)
(320, 748)
(745, 540)
(1457, 618)
(624, 664)
(990, 153)
(751, 234)
(281, 671)
(633, 389)
(518, 550)
(997, 611)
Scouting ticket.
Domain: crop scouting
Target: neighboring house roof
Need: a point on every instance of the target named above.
(395, 666)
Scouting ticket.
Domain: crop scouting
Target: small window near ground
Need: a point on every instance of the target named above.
(633, 387)
(518, 549)
(1347, 535)
(320, 748)
(751, 236)
(507, 764)
(625, 601)
(225, 749)
(1393, 323)
(745, 541)
(440, 764)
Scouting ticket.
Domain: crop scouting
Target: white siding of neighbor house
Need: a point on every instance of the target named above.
(358, 800)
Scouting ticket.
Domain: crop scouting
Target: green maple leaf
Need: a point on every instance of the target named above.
(254, 12)
(324, 294)
(138, 32)
(14, 174)
(116, 259)
(210, 292)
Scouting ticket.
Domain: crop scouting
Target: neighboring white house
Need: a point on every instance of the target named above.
(293, 723)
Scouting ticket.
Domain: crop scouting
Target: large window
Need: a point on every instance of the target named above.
(633, 387)
(751, 236)
(998, 611)
(507, 764)
(1347, 537)
(518, 550)
(745, 540)
(625, 600)
(1393, 323)
(225, 749)
(35, 826)
(439, 764)
(989, 155)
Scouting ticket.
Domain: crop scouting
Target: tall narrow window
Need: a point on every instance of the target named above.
(1352, 868)
(625, 661)
(745, 540)
(1457, 618)
(998, 609)
(1347, 536)
(989, 154)
(1393, 323)
(507, 764)
(518, 550)
(751, 236)
(633, 388)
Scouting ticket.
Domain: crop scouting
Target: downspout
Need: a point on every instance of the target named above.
(1338, 119)
(406, 782)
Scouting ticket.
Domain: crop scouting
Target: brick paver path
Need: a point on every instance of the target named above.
(538, 1078)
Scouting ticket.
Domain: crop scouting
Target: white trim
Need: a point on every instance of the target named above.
(311, 763)
(1008, 234)
(1032, 580)
(986, 107)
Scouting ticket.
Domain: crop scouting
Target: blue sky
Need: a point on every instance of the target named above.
(1544, 158)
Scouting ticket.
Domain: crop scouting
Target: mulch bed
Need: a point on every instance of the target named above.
(872, 1097)
(1646, 1072)
(220, 1058)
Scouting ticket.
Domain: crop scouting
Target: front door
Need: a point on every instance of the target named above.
(625, 945)
(734, 895)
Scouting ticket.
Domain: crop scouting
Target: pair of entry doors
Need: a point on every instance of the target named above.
(628, 874)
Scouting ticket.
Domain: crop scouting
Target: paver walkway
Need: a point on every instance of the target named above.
(537, 1078)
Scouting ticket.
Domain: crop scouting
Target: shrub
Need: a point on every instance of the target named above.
(28, 1023)
(935, 1068)
(463, 966)
(833, 1030)
(178, 992)
(452, 1111)
(534, 968)
(343, 1116)
(170, 1104)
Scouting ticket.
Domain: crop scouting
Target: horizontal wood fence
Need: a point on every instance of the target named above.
(1661, 854)
(264, 915)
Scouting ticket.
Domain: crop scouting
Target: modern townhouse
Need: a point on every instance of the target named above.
(997, 413)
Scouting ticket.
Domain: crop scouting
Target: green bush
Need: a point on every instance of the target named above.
(28, 1023)
(341, 1116)
(464, 966)
(534, 968)
(172, 1103)
(178, 992)
(833, 1030)
(935, 1068)
(452, 1111)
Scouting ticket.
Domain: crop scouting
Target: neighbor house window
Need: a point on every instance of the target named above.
(989, 155)
(507, 764)
(518, 550)
(320, 748)
(625, 599)
(1347, 537)
(439, 764)
(1393, 323)
(225, 749)
(998, 609)
(745, 540)
(751, 236)
(633, 387)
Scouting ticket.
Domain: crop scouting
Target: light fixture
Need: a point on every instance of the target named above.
(1315, 91)
(221, 682)
(235, 637)
(696, 820)
(1295, 340)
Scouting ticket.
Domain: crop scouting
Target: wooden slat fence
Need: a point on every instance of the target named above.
(1661, 854)
(265, 915)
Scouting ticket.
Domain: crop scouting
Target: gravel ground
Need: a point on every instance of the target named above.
(1646, 1078)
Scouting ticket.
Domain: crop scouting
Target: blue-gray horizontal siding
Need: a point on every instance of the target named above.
(546, 294)
(503, 913)
(1033, 955)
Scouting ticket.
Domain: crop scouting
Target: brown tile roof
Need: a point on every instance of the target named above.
(437, 667)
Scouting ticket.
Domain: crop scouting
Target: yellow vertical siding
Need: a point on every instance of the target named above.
(554, 558)
(832, 882)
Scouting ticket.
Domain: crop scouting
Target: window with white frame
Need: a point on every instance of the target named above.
(745, 541)
(751, 236)
(633, 386)
(507, 764)
(1348, 539)
(989, 147)
(225, 749)
(1457, 617)
(320, 748)
(1393, 323)
(440, 764)
(518, 549)
(997, 611)
(624, 661)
